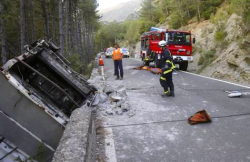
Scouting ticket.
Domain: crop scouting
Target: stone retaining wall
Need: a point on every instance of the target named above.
(78, 143)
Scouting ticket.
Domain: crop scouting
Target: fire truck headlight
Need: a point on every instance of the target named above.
(188, 52)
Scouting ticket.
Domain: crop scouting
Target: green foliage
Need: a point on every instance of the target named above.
(132, 34)
(35, 19)
(207, 13)
(80, 67)
(242, 7)
(88, 71)
(219, 35)
(220, 20)
(75, 63)
(175, 21)
(206, 59)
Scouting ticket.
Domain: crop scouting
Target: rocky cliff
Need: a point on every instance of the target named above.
(228, 59)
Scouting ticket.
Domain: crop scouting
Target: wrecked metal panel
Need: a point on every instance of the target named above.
(22, 138)
(29, 114)
(47, 62)
(9, 152)
(66, 71)
(38, 94)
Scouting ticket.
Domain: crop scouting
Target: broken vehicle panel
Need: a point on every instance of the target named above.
(39, 91)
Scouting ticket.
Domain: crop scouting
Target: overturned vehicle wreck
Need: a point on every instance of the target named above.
(39, 91)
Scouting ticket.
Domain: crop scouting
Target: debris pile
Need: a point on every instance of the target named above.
(110, 100)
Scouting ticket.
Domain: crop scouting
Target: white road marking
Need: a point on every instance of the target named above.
(136, 59)
(110, 146)
(217, 80)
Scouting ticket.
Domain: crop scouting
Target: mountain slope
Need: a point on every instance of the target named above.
(120, 12)
(231, 60)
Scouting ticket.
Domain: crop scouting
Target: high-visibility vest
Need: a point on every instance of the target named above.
(167, 71)
(117, 55)
(172, 67)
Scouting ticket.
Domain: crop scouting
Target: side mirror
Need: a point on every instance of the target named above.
(193, 40)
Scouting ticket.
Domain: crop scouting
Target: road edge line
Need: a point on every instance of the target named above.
(217, 79)
(110, 146)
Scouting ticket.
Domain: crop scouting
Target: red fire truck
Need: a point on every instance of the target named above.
(179, 44)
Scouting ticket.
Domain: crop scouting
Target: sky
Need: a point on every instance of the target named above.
(103, 4)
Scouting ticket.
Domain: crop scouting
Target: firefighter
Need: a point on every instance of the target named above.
(117, 57)
(166, 80)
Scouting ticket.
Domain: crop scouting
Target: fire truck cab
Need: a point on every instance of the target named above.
(179, 43)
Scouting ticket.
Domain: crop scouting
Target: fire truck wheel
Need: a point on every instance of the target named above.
(184, 66)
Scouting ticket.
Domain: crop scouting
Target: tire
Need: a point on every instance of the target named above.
(183, 66)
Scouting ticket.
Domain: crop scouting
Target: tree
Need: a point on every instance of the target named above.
(23, 26)
(61, 27)
(2, 34)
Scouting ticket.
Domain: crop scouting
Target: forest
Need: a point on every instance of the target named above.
(70, 23)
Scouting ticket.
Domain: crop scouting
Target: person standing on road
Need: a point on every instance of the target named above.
(166, 79)
(117, 57)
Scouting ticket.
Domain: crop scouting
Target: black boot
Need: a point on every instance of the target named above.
(117, 78)
(172, 94)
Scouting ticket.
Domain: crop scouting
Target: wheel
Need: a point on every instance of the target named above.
(183, 66)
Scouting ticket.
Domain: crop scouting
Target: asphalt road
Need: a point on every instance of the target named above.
(159, 131)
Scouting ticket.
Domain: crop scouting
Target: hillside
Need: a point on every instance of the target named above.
(120, 12)
(228, 59)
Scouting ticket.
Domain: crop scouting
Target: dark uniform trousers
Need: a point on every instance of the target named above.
(166, 79)
(168, 83)
(118, 68)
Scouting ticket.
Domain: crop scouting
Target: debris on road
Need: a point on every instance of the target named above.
(153, 70)
(110, 100)
(199, 117)
(233, 94)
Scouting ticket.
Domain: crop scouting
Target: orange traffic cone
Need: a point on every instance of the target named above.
(101, 63)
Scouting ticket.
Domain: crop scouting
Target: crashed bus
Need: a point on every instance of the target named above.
(179, 43)
(39, 91)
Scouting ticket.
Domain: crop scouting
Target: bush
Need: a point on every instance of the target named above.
(175, 21)
(207, 13)
(220, 35)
